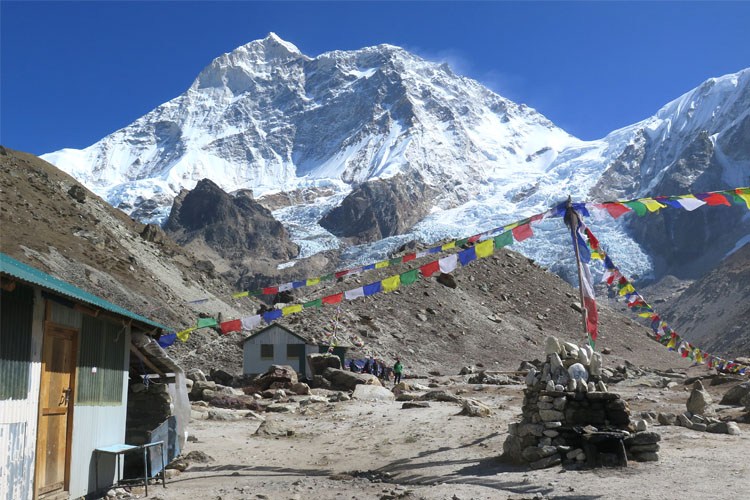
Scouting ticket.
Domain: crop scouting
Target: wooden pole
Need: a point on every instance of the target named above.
(572, 219)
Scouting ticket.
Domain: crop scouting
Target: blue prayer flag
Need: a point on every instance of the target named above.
(372, 288)
(467, 255)
(298, 284)
(435, 250)
(272, 315)
(167, 340)
(368, 267)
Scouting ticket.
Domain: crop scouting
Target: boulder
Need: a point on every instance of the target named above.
(551, 346)
(447, 280)
(300, 388)
(444, 396)
(223, 415)
(466, 370)
(474, 408)
(320, 382)
(400, 387)
(578, 371)
(235, 402)
(196, 375)
(724, 428)
(700, 401)
(408, 396)
(277, 376)
(543, 463)
(595, 365)
(274, 428)
(735, 395)
(372, 393)
(415, 404)
(642, 438)
(221, 377)
(319, 362)
(346, 380)
(534, 453)
(667, 419)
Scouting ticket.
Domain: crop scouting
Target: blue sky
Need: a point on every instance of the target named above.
(72, 72)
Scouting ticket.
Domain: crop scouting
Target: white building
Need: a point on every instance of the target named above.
(277, 345)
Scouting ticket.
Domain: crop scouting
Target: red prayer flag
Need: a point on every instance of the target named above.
(474, 238)
(429, 269)
(231, 326)
(333, 299)
(270, 290)
(592, 239)
(713, 199)
(521, 233)
(409, 256)
(341, 273)
(616, 209)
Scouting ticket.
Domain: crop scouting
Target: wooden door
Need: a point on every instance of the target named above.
(55, 409)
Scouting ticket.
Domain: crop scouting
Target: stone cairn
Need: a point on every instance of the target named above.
(567, 408)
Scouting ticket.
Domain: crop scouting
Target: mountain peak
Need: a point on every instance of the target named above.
(274, 46)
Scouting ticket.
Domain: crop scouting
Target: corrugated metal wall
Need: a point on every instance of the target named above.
(99, 377)
(97, 426)
(280, 338)
(18, 421)
(16, 310)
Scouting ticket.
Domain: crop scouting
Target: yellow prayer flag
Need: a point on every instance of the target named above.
(745, 197)
(645, 315)
(380, 265)
(241, 294)
(627, 289)
(390, 284)
(485, 248)
(671, 343)
(291, 309)
(184, 334)
(447, 246)
(651, 204)
(510, 226)
(596, 255)
(698, 356)
(312, 281)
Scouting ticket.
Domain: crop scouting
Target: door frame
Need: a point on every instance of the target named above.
(71, 400)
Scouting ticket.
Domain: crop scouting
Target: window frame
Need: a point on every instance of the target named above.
(266, 358)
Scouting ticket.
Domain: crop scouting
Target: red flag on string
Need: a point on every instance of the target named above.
(231, 326)
(616, 209)
(409, 256)
(521, 233)
(333, 299)
(270, 290)
(429, 269)
(713, 199)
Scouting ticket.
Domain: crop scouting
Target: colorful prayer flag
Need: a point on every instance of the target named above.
(429, 269)
(484, 249)
(272, 315)
(184, 334)
(206, 322)
(409, 277)
(713, 199)
(313, 303)
(333, 299)
(616, 209)
(448, 264)
(271, 290)
(523, 232)
(291, 309)
(354, 294)
(450, 245)
(372, 288)
(504, 239)
(690, 202)
(467, 256)
(392, 283)
(231, 326)
(382, 264)
(250, 322)
(313, 281)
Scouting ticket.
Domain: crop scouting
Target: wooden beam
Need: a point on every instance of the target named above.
(7, 285)
(147, 361)
(90, 311)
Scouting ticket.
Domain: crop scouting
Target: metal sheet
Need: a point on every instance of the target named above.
(16, 315)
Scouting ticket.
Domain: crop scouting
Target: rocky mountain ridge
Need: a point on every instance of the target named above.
(341, 126)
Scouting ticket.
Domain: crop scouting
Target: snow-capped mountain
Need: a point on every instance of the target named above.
(268, 118)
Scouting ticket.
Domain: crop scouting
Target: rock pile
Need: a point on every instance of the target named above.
(567, 410)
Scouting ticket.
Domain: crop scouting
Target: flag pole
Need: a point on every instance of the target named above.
(571, 218)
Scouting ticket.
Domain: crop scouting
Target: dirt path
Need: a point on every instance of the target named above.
(376, 450)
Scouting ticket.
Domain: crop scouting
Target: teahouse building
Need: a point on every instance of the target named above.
(277, 345)
(64, 370)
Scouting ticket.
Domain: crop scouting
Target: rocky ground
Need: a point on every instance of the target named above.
(360, 449)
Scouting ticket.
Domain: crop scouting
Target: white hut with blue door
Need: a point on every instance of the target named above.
(64, 363)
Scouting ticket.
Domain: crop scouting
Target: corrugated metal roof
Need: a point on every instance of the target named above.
(24, 272)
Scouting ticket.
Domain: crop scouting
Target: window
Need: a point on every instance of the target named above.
(101, 363)
(16, 314)
(292, 351)
(266, 351)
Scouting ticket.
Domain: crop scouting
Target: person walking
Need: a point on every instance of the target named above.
(397, 369)
(366, 368)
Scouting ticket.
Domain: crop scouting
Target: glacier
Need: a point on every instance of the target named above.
(268, 118)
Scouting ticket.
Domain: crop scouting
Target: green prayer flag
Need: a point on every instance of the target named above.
(313, 303)
(394, 261)
(504, 239)
(462, 242)
(639, 207)
(409, 277)
(206, 322)
(327, 277)
(255, 293)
